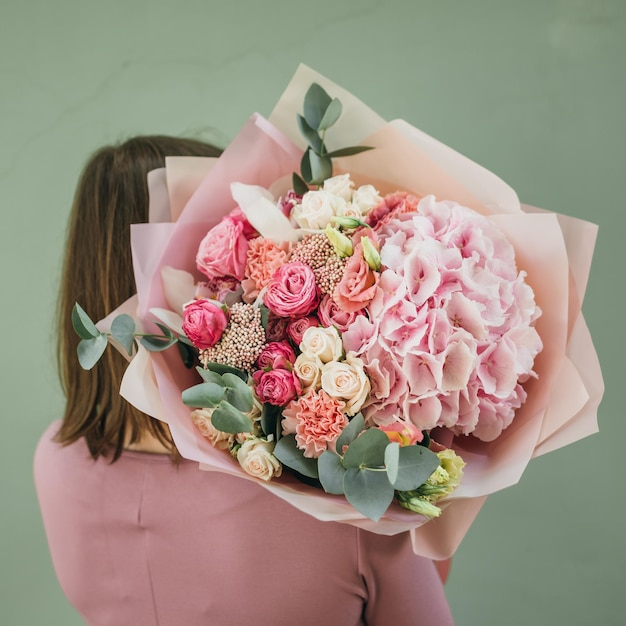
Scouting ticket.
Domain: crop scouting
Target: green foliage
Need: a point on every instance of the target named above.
(415, 465)
(331, 472)
(123, 330)
(229, 419)
(288, 453)
(350, 432)
(367, 450)
(90, 350)
(204, 395)
(270, 423)
(82, 323)
(220, 368)
(368, 492)
(237, 392)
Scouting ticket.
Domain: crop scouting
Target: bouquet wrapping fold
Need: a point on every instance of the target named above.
(190, 196)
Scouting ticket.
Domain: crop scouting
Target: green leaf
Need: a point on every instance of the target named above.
(415, 465)
(230, 420)
(123, 330)
(82, 324)
(305, 167)
(167, 332)
(367, 450)
(156, 343)
(369, 492)
(350, 432)
(269, 419)
(321, 167)
(331, 472)
(204, 395)
(265, 316)
(392, 456)
(220, 368)
(316, 101)
(238, 393)
(288, 453)
(90, 350)
(310, 134)
(343, 152)
(299, 184)
(210, 377)
(187, 353)
(331, 115)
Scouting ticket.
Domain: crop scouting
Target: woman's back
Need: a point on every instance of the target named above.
(142, 541)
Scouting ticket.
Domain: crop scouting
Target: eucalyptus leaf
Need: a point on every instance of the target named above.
(392, 457)
(123, 330)
(187, 353)
(367, 450)
(269, 419)
(351, 150)
(350, 432)
(204, 395)
(220, 368)
(415, 465)
(331, 115)
(369, 492)
(265, 316)
(316, 101)
(229, 419)
(310, 134)
(299, 184)
(156, 343)
(90, 350)
(321, 167)
(238, 393)
(167, 332)
(288, 453)
(82, 323)
(305, 166)
(331, 472)
(210, 377)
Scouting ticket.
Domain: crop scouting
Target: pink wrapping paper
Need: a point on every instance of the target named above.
(554, 250)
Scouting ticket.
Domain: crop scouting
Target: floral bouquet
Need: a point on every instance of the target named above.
(377, 334)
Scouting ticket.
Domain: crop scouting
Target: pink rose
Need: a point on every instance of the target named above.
(276, 328)
(276, 355)
(204, 322)
(357, 287)
(292, 291)
(331, 314)
(404, 433)
(223, 251)
(277, 387)
(297, 327)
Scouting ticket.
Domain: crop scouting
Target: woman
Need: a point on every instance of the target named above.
(139, 535)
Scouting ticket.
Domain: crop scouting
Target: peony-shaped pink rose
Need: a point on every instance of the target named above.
(277, 387)
(292, 292)
(357, 287)
(316, 419)
(297, 327)
(331, 314)
(276, 355)
(204, 322)
(223, 251)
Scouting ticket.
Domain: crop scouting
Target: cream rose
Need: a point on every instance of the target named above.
(256, 458)
(219, 439)
(316, 209)
(324, 343)
(308, 369)
(340, 185)
(366, 198)
(346, 380)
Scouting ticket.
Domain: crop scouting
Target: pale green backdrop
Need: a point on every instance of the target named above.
(533, 90)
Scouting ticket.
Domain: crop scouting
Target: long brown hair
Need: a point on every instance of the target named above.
(112, 194)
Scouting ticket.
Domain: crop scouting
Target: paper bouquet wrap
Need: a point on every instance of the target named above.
(190, 196)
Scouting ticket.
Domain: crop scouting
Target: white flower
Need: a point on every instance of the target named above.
(219, 439)
(340, 185)
(324, 343)
(256, 458)
(308, 369)
(366, 198)
(316, 209)
(347, 380)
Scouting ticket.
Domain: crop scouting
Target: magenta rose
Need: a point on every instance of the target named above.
(331, 314)
(292, 291)
(296, 327)
(222, 253)
(204, 322)
(277, 387)
(276, 355)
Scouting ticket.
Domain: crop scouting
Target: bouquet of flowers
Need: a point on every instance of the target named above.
(381, 339)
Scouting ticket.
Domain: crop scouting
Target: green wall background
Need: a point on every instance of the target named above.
(534, 90)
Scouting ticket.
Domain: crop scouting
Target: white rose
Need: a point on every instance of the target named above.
(366, 198)
(351, 210)
(324, 343)
(219, 439)
(308, 369)
(340, 185)
(256, 458)
(347, 380)
(316, 209)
